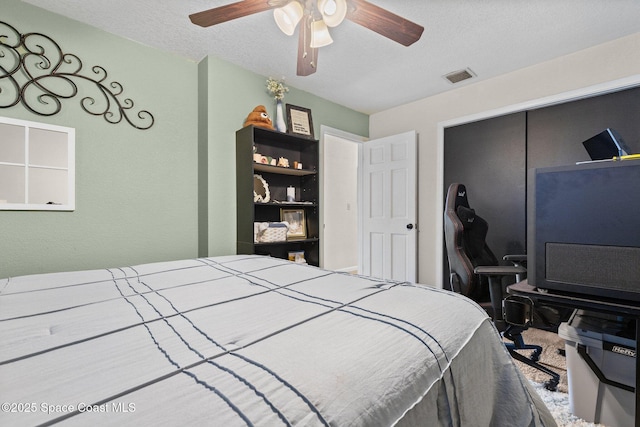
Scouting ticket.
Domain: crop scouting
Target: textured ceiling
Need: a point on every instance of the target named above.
(361, 69)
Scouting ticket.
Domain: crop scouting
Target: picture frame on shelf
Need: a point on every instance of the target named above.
(297, 223)
(299, 121)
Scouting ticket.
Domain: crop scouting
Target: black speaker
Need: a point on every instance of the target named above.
(594, 269)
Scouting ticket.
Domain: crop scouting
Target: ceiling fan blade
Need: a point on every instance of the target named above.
(307, 55)
(384, 22)
(221, 14)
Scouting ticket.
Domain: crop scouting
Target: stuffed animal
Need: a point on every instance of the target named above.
(259, 117)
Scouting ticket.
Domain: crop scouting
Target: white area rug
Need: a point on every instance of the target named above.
(558, 404)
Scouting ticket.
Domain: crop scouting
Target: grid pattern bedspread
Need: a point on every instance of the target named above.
(249, 340)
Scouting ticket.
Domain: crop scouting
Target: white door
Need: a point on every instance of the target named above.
(389, 208)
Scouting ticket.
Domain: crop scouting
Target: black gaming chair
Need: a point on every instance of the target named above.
(476, 273)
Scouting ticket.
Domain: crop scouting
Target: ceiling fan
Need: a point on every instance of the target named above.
(314, 16)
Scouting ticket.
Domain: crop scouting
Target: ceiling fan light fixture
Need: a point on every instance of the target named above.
(313, 17)
(320, 34)
(333, 11)
(288, 16)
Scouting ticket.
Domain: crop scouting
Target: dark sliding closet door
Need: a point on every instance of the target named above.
(488, 157)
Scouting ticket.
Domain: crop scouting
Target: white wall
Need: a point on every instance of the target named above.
(590, 71)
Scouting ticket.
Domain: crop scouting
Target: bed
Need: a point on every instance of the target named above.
(251, 340)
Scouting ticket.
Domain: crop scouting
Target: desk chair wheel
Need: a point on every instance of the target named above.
(535, 355)
(552, 384)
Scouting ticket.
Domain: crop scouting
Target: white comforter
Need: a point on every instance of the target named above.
(249, 340)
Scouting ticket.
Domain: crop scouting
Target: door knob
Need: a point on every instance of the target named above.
(409, 226)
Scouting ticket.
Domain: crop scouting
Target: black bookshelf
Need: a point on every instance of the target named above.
(305, 180)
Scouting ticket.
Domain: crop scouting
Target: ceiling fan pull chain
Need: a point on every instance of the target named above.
(307, 24)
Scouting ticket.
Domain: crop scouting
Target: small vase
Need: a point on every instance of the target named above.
(281, 126)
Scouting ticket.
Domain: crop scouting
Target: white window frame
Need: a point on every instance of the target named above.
(70, 203)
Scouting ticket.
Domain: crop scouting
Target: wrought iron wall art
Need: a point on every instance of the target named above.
(36, 72)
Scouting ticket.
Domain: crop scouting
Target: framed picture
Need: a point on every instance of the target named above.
(297, 223)
(299, 121)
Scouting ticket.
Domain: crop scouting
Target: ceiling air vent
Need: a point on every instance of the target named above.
(460, 75)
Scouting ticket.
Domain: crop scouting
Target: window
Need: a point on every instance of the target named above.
(37, 166)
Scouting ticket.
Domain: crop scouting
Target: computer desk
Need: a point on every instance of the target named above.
(625, 308)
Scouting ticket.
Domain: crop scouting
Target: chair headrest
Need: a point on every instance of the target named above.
(456, 196)
(461, 196)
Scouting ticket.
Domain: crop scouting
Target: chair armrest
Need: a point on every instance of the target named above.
(499, 270)
(516, 258)
(496, 289)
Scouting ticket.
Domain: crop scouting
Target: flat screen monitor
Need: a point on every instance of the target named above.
(583, 229)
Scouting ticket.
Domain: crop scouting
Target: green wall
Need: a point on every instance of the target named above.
(136, 190)
(144, 195)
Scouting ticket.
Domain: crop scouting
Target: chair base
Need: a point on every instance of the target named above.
(532, 360)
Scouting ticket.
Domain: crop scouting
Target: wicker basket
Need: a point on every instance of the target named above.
(274, 232)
